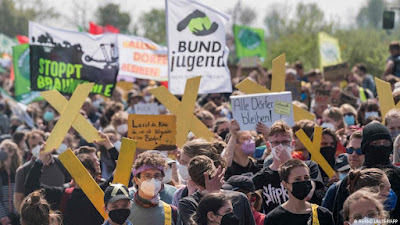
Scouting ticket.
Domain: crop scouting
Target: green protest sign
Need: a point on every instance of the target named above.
(22, 79)
(249, 42)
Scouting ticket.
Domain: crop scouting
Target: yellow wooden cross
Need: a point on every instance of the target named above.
(385, 96)
(277, 85)
(185, 119)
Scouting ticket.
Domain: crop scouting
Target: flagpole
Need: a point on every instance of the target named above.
(166, 26)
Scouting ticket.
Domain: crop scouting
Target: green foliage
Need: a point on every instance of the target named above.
(371, 14)
(110, 14)
(153, 25)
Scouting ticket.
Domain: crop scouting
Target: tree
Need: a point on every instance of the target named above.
(110, 14)
(153, 25)
(371, 14)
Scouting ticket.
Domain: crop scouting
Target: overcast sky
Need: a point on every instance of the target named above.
(343, 10)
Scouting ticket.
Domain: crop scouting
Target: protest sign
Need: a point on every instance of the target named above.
(17, 108)
(22, 76)
(146, 109)
(142, 58)
(63, 59)
(295, 88)
(249, 42)
(267, 108)
(329, 50)
(197, 46)
(346, 98)
(153, 132)
(248, 62)
(336, 73)
(386, 101)
(322, 96)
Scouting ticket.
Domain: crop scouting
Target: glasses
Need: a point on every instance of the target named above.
(284, 143)
(351, 150)
(148, 176)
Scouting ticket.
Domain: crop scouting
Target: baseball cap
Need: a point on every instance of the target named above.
(115, 192)
(342, 163)
(239, 182)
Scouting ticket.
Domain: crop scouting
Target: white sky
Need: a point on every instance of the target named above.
(344, 11)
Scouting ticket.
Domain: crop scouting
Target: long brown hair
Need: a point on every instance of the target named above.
(16, 159)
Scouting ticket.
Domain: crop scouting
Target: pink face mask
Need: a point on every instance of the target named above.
(249, 147)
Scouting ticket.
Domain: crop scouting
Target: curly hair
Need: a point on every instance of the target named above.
(149, 159)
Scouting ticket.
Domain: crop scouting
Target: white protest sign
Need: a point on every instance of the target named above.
(267, 108)
(146, 109)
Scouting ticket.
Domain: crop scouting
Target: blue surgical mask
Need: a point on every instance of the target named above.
(391, 200)
(350, 120)
(48, 116)
(342, 175)
(372, 113)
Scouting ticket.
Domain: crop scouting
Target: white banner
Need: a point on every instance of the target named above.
(147, 109)
(141, 58)
(197, 46)
(267, 108)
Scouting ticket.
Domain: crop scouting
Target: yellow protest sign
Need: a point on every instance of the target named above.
(69, 115)
(277, 85)
(185, 119)
(153, 131)
(84, 180)
(329, 50)
(386, 101)
(126, 86)
(125, 161)
(314, 148)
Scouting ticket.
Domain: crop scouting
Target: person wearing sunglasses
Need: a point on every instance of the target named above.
(356, 157)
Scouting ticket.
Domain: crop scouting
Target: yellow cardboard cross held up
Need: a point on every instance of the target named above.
(69, 116)
(314, 148)
(277, 85)
(386, 101)
(185, 119)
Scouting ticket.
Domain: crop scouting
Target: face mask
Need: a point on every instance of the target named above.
(368, 114)
(350, 120)
(48, 116)
(394, 134)
(342, 176)
(329, 154)
(150, 187)
(147, 98)
(377, 155)
(287, 148)
(391, 200)
(3, 155)
(301, 189)
(183, 172)
(63, 147)
(96, 104)
(366, 221)
(122, 129)
(36, 151)
(119, 216)
(223, 134)
(117, 145)
(168, 176)
(328, 125)
(249, 147)
(229, 219)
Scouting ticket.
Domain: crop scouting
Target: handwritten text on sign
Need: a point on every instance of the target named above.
(266, 108)
(153, 131)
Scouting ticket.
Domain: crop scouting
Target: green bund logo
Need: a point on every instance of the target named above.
(249, 38)
(199, 24)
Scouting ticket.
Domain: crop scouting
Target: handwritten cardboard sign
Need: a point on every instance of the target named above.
(146, 109)
(295, 88)
(322, 96)
(153, 131)
(346, 98)
(266, 108)
(336, 73)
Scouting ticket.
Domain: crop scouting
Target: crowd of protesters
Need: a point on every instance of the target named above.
(262, 176)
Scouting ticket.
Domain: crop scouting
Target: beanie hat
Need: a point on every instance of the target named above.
(372, 132)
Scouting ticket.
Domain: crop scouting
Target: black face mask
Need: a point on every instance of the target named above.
(3, 155)
(119, 216)
(229, 219)
(223, 134)
(377, 155)
(329, 154)
(301, 189)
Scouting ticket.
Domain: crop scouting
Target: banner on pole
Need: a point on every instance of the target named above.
(249, 42)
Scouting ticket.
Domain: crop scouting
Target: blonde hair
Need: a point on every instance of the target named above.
(396, 154)
(280, 127)
(16, 159)
(335, 114)
(392, 114)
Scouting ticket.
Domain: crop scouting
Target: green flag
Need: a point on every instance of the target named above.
(6, 43)
(22, 78)
(249, 42)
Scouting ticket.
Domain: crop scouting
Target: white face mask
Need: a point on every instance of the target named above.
(287, 148)
(367, 221)
(122, 129)
(117, 145)
(168, 176)
(328, 125)
(147, 98)
(36, 151)
(63, 147)
(150, 187)
(183, 171)
(372, 113)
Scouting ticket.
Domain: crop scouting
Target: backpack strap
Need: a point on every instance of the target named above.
(167, 214)
(64, 199)
(315, 220)
(174, 214)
